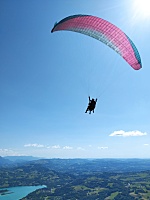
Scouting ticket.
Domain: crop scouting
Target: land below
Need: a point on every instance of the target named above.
(80, 179)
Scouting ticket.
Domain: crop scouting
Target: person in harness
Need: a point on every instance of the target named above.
(91, 105)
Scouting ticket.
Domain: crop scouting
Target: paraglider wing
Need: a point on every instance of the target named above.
(105, 32)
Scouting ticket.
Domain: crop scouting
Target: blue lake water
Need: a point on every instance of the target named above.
(17, 193)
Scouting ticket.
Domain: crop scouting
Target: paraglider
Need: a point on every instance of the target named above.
(91, 105)
(105, 32)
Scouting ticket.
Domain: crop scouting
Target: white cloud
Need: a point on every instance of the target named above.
(146, 144)
(127, 134)
(34, 145)
(80, 148)
(56, 147)
(102, 147)
(67, 147)
(8, 152)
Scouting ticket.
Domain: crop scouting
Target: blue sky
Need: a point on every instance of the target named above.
(45, 81)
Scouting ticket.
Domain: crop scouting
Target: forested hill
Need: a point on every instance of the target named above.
(95, 165)
(5, 162)
(65, 165)
(81, 179)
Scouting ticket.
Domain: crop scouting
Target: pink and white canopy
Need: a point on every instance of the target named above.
(105, 32)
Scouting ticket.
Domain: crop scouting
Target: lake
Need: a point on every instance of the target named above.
(16, 193)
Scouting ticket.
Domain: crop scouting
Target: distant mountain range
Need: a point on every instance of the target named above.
(21, 158)
(95, 165)
(4, 162)
(78, 165)
(11, 161)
